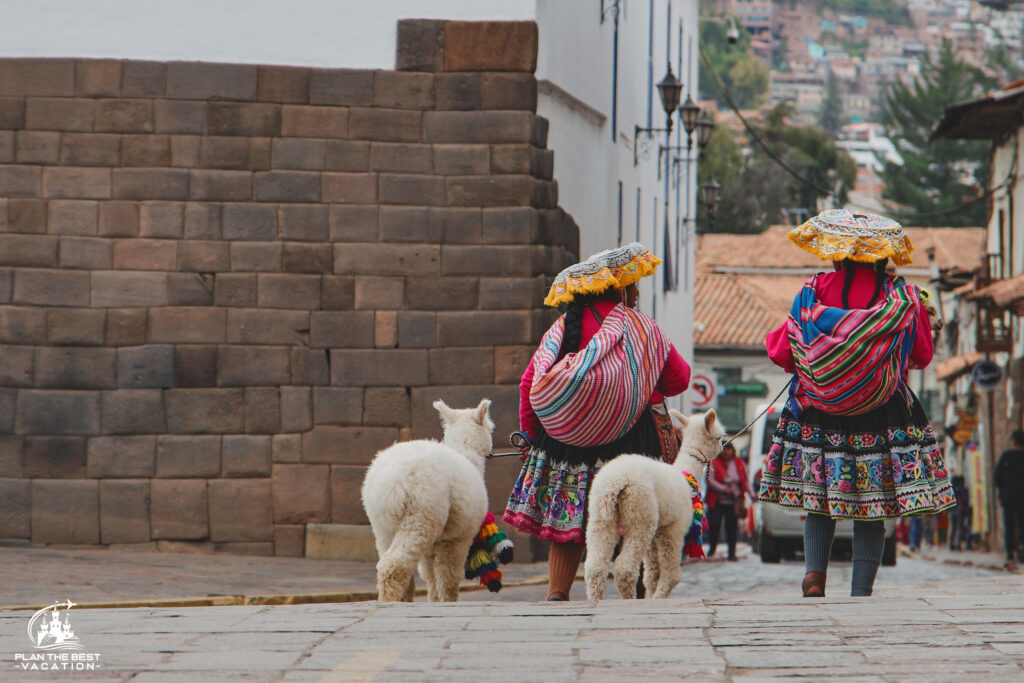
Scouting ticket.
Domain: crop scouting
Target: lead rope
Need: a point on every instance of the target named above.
(760, 415)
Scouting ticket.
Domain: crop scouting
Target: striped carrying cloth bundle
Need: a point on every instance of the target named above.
(596, 395)
(850, 362)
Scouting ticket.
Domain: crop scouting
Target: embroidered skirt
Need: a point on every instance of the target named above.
(879, 465)
(549, 499)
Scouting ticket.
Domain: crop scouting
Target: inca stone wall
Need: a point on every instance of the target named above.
(224, 287)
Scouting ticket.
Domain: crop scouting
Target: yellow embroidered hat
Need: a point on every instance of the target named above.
(839, 234)
(614, 268)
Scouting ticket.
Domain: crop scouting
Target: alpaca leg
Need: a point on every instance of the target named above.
(668, 543)
(627, 564)
(652, 568)
(638, 514)
(449, 568)
(601, 538)
(427, 574)
(410, 591)
(396, 564)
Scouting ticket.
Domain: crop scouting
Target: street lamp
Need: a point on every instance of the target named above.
(709, 194)
(670, 89)
(688, 112)
(704, 128)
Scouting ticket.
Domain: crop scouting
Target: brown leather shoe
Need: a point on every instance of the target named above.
(814, 585)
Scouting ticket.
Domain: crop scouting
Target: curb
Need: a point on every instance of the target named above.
(959, 563)
(273, 599)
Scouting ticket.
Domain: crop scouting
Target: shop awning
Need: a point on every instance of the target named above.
(1008, 293)
(951, 368)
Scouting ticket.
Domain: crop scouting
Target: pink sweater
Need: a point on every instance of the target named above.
(675, 376)
(830, 293)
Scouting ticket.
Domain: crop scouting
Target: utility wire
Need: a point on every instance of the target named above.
(1010, 177)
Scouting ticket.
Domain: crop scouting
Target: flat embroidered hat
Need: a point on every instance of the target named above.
(839, 234)
(615, 268)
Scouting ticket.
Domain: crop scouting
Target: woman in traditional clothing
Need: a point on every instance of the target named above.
(853, 441)
(593, 390)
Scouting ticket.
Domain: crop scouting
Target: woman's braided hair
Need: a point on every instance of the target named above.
(848, 270)
(574, 318)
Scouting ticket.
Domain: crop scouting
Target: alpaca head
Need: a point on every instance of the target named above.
(702, 437)
(467, 430)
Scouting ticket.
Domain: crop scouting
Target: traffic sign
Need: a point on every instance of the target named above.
(704, 391)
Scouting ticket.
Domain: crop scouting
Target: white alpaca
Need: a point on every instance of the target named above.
(426, 501)
(651, 502)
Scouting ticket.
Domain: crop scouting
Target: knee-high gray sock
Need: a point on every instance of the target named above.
(818, 533)
(868, 543)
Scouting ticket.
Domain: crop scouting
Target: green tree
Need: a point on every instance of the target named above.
(731, 61)
(831, 115)
(756, 190)
(935, 177)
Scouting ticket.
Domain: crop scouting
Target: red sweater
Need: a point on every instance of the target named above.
(830, 293)
(674, 379)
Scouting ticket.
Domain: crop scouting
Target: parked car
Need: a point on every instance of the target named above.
(779, 532)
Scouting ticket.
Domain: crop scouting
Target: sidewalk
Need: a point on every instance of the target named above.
(955, 630)
(35, 577)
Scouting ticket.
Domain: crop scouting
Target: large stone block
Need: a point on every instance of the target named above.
(256, 257)
(286, 186)
(349, 87)
(241, 510)
(303, 222)
(338, 293)
(180, 117)
(283, 84)
(35, 250)
(241, 366)
(90, 149)
(403, 223)
(72, 217)
(296, 409)
(494, 190)
(58, 113)
(37, 147)
(22, 325)
(490, 46)
(178, 509)
(57, 412)
(286, 448)
(425, 190)
(162, 219)
(479, 328)
(195, 366)
(298, 154)
(261, 326)
(206, 81)
(341, 329)
(118, 457)
(245, 456)
(505, 293)
(510, 362)
(387, 259)
(15, 508)
(385, 125)
(309, 366)
(17, 366)
(205, 411)
(508, 91)
(26, 215)
(337, 405)
(141, 254)
(127, 326)
(76, 368)
(249, 119)
(504, 408)
(383, 367)
(235, 290)
(66, 511)
(353, 223)
(346, 501)
(75, 326)
(87, 253)
(98, 77)
(479, 127)
(150, 183)
(187, 456)
(417, 329)
(302, 257)
(349, 188)
(124, 511)
(347, 155)
(205, 256)
(420, 45)
(288, 291)
(8, 409)
(462, 366)
(218, 185)
(351, 542)
(51, 287)
(32, 76)
(119, 219)
(133, 411)
(146, 150)
(459, 91)
(203, 221)
(386, 407)
(373, 293)
(55, 457)
(21, 181)
(124, 116)
(250, 222)
(289, 540)
(187, 325)
(462, 159)
(401, 158)
(263, 409)
(301, 493)
(345, 445)
(144, 367)
(115, 289)
(314, 122)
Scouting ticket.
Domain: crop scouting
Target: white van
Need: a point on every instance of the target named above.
(779, 531)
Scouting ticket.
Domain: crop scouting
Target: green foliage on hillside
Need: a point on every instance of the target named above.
(744, 75)
(892, 12)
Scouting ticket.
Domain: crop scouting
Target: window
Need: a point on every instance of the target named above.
(730, 408)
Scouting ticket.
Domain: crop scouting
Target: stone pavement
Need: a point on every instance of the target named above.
(949, 630)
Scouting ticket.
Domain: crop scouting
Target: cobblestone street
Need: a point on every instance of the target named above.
(726, 621)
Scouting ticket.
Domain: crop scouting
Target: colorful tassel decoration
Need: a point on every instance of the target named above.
(490, 547)
(693, 544)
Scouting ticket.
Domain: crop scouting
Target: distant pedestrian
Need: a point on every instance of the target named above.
(578, 410)
(727, 491)
(853, 441)
(1010, 482)
(959, 516)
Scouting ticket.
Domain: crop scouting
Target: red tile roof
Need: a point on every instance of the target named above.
(737, 311)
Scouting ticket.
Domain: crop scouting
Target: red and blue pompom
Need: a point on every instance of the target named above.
(490, 548)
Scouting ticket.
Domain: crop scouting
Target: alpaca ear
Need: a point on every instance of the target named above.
(683, 420)
(709, 419)
(447, 414)
(480, 415)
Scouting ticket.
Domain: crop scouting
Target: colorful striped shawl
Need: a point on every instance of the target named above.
(850, 362)
(596, 395)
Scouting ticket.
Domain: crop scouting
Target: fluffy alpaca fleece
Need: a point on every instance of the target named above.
(651, 502)
(425, 501)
